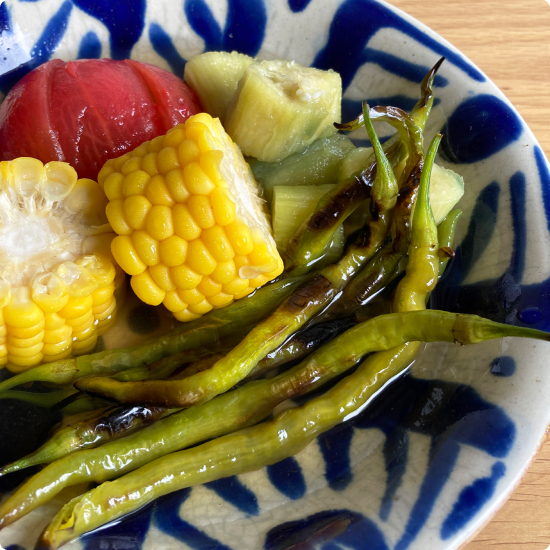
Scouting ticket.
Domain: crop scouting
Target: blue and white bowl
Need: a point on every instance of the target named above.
(438, 451)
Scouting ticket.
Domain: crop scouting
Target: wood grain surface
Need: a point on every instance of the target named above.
(509, 40)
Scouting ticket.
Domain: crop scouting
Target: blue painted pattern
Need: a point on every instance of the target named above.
(287, 477)
(236, 493)
(163, 45)
(90, 46)
(470, 501)
(503, 366)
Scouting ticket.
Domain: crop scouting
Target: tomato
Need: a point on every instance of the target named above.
(86, 112)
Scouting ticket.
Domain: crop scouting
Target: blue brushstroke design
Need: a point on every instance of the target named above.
(43, 49)
(503, 366)
(287, 477)
(544, 175)
(90, 46)
(335, 448)
(236, 493)
(478, 128)
(530, 315)
(124, 19)
(5, 21)
(163, 45)
(244, 28)
(471, 500)
(17, 546)
(519, 223)
(356, 22)
(298, 5)
(166, 518)
(343, 528)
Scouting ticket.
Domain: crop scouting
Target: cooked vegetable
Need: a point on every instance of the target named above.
(214, 77)
(281, 107)
(267, 336)
(291, 207)
(86, 112)
(317, 164)
(201, 332)
(192, 231)
(355, 161)
(56, 283)
(261, 445)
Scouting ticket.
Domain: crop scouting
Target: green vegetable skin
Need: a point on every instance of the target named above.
(257, 446)
(204, 331)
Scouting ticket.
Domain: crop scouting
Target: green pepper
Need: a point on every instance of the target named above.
(285, 435)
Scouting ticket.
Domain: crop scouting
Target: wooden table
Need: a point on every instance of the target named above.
(510, 41)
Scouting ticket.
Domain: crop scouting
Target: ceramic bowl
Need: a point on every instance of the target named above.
(439, 449)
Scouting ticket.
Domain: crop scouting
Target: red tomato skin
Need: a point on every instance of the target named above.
(88, 111)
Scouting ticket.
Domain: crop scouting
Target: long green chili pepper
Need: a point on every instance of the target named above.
(267, 336)
(244, 407)
(445, 237)
(270, 442)
(308, 245)
(113, 424)
(201, 332)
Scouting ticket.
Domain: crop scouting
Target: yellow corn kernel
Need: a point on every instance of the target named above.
(146, 289)
(220, 300)
(3, 350)
(57, 348)
(17, 364)
(149, 164)
(27, 174)
(156, 144)
(167, 160)
(176, 185)
(119, 162)
(80, 347)
(147, 247)
(76, 307)
(126, 255)
(135, 183)
(161, 275)
(240, 261)
(107, 313)
(103, 296)
(186, 315)
(191, 297)
(30, 351)
(104, 173)
(142, 150)
(210, 163)
(236, 286)
(173, 302)
(244, 293)
(101, 268)
(185, 225)
(78, 280)
(82, 322)
(203, 307)
(131, 165)
(184, 277)
(200, 208)
(173, 251)
(21, 311)
(196, 180)
(113, 186)
(49, 292)
(195, 129)
(26, 342)
(28, 332)
(261, 255)
(105, 324)
(50, 358)
(159, 222)
(199, 258)
(258, 281)
(136, 209)
(208, 287)
(225, 272)
(115, 215)
(224, 208)
(217, 243)
(188, 151)
(157, 191)
(57, 335)
(240, 237)
(86, 332)
(53, 321)
(174, 137)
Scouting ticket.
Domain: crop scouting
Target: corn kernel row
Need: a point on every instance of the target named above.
(183, 233)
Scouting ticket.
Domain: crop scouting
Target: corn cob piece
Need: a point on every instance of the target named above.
(192, 231)
(56, 287)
